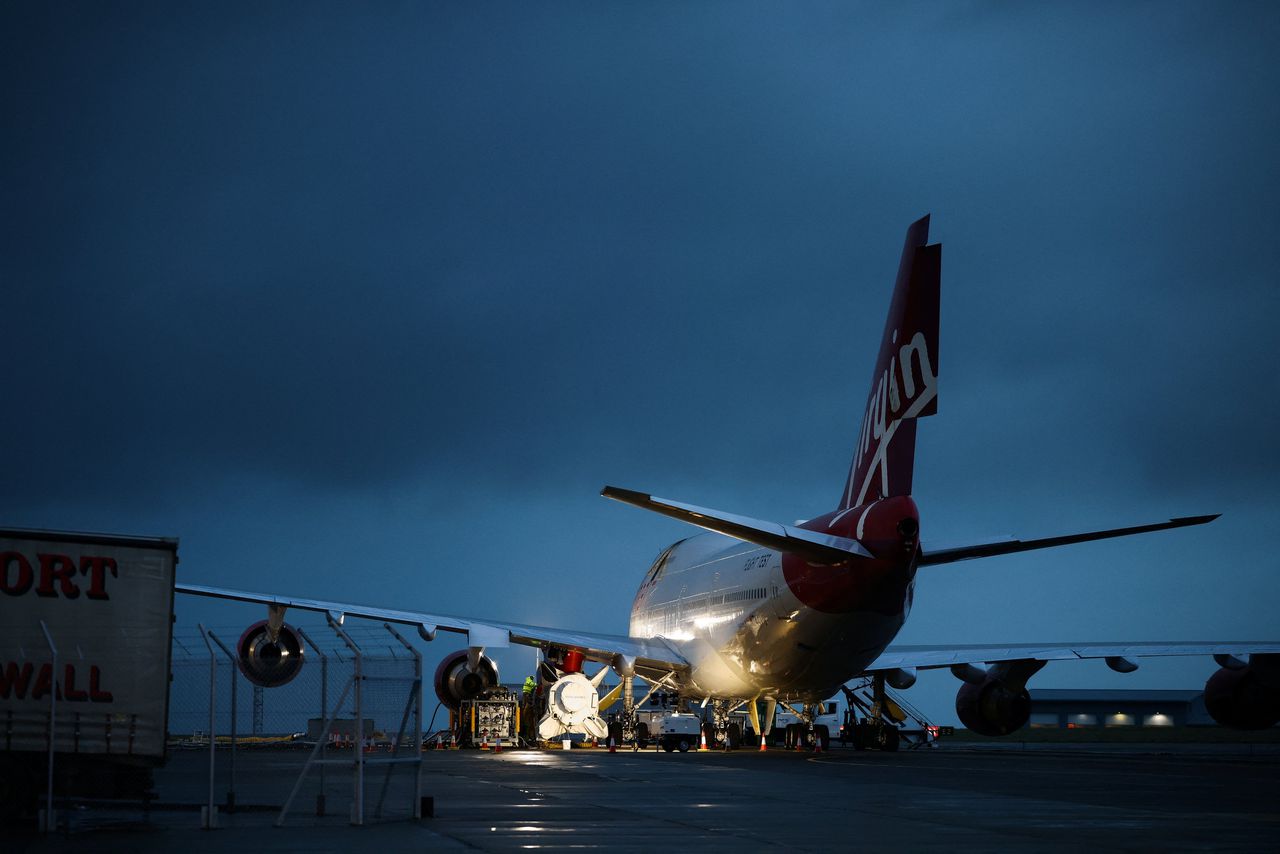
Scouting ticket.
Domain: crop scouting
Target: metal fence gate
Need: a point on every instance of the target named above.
(339, 742)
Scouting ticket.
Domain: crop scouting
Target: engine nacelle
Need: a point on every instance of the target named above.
(455, 681)
(992, 707)
(269, 663)
(573, 705)
(1245, 697)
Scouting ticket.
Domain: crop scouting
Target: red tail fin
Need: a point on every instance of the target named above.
(904, 386)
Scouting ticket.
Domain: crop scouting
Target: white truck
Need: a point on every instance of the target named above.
(671, 730)
(86, 624)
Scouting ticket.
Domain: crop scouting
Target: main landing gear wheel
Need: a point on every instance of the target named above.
(733, 737)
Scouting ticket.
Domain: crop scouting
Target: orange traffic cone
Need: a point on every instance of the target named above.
(613, 748)
(763, 745)
(703, 746)
(817, 743)
(497, 745)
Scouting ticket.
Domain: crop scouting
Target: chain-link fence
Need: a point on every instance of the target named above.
(340, 741)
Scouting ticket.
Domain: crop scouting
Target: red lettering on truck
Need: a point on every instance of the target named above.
(96, 568)
(57, 575)
(15, 680)
(58, 568)
(15, 584)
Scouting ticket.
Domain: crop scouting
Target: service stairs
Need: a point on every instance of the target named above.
(913, 727)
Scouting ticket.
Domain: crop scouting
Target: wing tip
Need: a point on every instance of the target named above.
(1196, 520)
(629, 496)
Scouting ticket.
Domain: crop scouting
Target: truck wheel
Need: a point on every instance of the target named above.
(684, 745)
(888, 739)
(668, 745)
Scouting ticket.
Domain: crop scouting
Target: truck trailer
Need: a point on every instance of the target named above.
(86, 623)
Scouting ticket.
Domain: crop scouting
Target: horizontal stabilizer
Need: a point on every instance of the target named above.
(812, 546)
(1009, 546)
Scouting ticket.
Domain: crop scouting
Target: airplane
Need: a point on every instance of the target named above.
(753, 613)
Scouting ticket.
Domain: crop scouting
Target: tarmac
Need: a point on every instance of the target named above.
(953, 798)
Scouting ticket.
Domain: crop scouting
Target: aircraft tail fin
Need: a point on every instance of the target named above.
(904, 386)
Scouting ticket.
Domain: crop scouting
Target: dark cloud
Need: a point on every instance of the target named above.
(317, 286)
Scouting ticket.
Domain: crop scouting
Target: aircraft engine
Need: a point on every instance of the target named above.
(1245, 697)
(992, 708)
(573, 705)
(455, 681)
(266, 662)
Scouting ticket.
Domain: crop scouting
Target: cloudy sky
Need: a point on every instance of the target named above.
(369, 301)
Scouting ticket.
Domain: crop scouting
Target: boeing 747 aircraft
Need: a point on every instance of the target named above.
(752, 613)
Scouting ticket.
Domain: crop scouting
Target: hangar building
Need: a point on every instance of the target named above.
(1069, 708)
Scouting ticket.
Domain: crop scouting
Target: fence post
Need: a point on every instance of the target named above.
(416, 700)
(210, 818)
(53, 713)
(324, 712)
(357, 807)
(231, 787)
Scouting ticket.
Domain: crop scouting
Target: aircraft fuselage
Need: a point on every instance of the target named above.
(754, 621)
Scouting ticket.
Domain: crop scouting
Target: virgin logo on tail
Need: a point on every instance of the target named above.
(904, 382)
(905, 388)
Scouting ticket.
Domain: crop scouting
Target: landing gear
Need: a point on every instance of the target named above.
(718, 734)
(873, 732)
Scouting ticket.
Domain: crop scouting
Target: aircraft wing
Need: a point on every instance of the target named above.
(929, 657)
(651, 652)
(931, 554)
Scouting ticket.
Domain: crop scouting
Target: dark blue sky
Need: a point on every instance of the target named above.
(370, 302)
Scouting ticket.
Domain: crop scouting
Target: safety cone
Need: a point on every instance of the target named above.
(703, 745)
(817, 744)
(613, 748)
(497, 744)
(763, 746)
